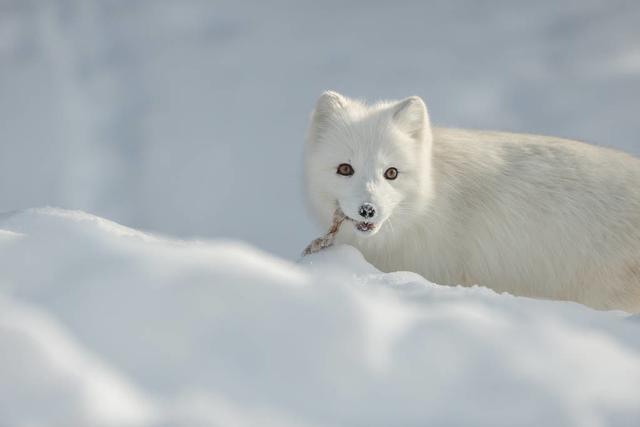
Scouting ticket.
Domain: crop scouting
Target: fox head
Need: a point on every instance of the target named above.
(371, 161)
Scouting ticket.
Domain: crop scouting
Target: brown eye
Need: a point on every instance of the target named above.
(391, 173)
(345, 169)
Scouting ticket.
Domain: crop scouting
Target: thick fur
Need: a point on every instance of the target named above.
(529, 215)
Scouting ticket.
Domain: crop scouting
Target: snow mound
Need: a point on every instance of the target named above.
(104, 323)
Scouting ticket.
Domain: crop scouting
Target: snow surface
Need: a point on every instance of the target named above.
(104, 325)
(188, 117)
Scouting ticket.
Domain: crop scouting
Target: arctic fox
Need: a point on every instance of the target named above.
(529, 215)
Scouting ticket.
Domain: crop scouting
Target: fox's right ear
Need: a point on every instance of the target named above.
(327, 105)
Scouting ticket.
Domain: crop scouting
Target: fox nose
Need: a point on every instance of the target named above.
(367, 210)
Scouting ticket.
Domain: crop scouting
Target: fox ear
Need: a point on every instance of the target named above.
(328, 103)
(330, 100)
(411, 116)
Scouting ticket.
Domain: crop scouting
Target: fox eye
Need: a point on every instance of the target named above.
(391, 173)
(345, 169)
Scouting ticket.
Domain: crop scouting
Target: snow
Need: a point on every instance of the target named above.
(104, 323)
(187, 119)
(49, 379)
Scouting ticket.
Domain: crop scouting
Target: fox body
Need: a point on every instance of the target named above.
(529, 215)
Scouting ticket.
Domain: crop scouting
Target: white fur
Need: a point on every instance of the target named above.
(530, 215)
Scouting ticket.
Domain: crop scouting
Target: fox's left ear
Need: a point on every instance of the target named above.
(410, 115)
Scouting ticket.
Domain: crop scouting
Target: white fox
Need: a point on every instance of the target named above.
(529, 215)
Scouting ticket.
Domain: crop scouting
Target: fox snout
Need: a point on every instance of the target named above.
(366, 219)
(367, 210)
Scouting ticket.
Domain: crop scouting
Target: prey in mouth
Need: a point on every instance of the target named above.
(327, 240)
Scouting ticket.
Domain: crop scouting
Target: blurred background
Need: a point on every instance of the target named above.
(188, 117)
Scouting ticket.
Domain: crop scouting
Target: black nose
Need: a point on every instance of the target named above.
(367, 210)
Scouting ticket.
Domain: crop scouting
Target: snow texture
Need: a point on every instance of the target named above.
(104, 325)
(188, 118)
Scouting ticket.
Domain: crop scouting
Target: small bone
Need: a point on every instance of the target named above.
(327, 240)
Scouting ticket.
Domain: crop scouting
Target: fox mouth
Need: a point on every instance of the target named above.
(362, 226)
(365, 227)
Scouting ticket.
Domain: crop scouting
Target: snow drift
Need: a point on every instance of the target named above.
(104, 325)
